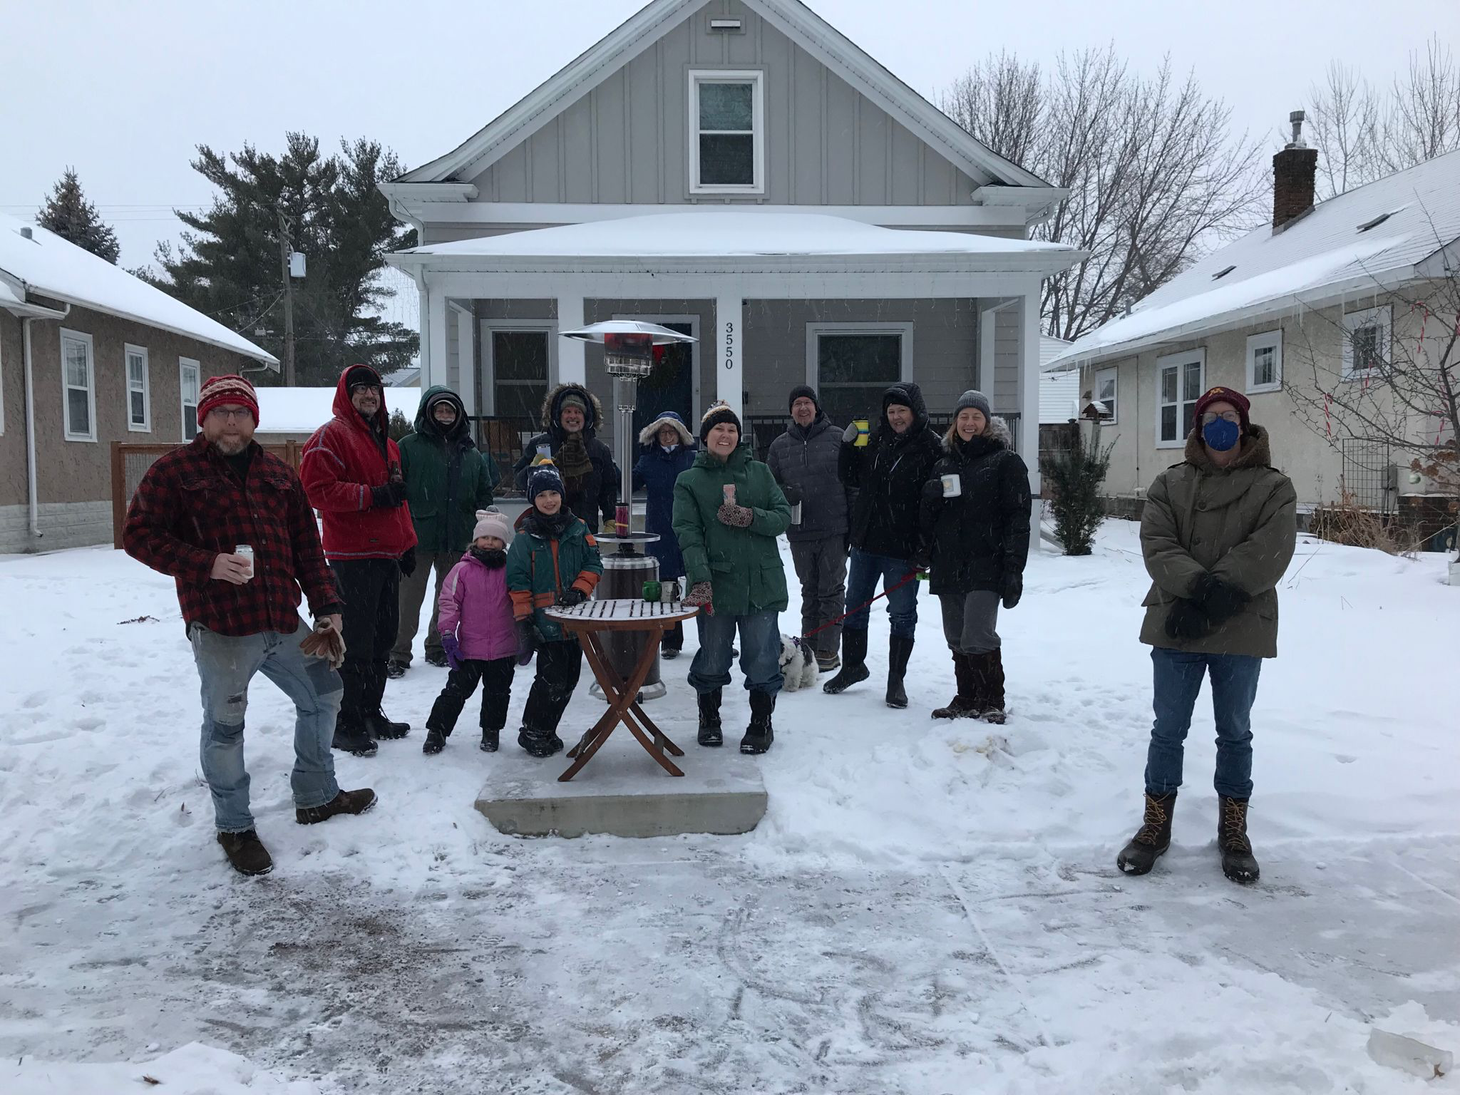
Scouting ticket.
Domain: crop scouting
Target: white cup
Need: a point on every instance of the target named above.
(247, 552)
(952, 486)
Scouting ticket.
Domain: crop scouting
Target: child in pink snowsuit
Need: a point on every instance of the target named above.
(478, 635)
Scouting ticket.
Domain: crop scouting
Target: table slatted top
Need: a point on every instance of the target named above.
(622, 613)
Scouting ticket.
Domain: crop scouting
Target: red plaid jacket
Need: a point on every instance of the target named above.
(190, 507)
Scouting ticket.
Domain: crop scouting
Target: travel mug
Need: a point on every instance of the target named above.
(652, 592)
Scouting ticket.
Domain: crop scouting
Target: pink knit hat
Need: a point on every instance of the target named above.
(492, 522)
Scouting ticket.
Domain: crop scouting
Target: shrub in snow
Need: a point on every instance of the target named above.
(1073, 478)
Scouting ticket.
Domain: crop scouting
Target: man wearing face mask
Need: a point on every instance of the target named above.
(1217, 533)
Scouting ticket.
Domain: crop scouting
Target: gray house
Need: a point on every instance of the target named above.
(740, 170)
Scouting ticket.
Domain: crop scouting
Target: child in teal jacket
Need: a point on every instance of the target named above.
(553, 561)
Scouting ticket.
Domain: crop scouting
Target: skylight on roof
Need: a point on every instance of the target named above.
(1223, 272)
(1380, 219)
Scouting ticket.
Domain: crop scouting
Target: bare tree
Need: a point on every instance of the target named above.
(1343, 124)
(1154, 172)
(1394, 385)
(1424, 116)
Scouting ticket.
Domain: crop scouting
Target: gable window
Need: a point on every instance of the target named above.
(727, 131)
(139, 395)
(78, 380)
(1180, 380)
(189, 378)
(1264, 362)
(851, 364)
(1365, 342)
(1106, 383)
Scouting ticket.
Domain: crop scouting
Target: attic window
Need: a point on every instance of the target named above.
(1380, 219)
(727, 131)
(1223, 272)
(725, 26)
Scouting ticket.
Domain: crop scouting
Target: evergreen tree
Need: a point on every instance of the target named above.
(1073, 478)
(229, 264)
(68, 214)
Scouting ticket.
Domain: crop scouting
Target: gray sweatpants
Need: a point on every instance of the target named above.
(969, 621)
(822, 567)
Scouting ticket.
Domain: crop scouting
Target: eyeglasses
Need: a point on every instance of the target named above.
(237, 414)
(1226, 416)
(364, 386)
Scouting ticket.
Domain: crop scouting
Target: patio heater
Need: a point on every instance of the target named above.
(628, 355)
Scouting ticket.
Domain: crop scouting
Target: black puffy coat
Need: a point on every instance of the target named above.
(888, 476)
(593, 496)
(981, 537)
(805, 461)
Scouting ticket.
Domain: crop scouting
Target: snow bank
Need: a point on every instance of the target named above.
(194, 1069)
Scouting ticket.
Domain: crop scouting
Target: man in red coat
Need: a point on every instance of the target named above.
(351, 471)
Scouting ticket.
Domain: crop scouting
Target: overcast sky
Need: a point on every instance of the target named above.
(124, 91)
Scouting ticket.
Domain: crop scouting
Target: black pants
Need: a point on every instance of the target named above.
(558, 667)
(496, 681)
(673, 638)
(371, 590)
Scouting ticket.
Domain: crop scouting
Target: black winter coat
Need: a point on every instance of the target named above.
(805, 461)
(888, 476)
(594, 496)
(981, 537)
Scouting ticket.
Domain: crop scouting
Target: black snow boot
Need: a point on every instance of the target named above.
(1153, 837)
(966, 704)
(854, 663)
(435, 741)
(711, 733)
(538, 743)
(352, 739)
(246, 852)
(491, 738)
(899, 650)
(988, 680)
(759, 734)
(383, 729)
(1238, 862)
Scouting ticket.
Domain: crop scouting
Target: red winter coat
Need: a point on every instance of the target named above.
(342, 461)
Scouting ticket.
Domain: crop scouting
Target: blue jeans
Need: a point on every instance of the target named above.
(863, 572)
(1178, 677)
(226, 664)
(760, 652)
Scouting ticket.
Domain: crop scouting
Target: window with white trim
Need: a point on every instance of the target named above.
(1179, 384)
(1264, 362)
(1107, 383)
(189, 380)
(78, 386)
(1365, 342)
(727, 131)
(139, 391)
(851, 364)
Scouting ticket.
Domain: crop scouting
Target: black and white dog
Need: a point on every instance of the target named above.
(798, 664)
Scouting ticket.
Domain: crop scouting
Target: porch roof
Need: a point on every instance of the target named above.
(732, 240)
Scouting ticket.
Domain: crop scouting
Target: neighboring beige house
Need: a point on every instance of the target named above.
(740, 170)
(89, 355)
(1286, 314)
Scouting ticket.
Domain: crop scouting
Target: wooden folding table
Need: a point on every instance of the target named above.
(588, 622)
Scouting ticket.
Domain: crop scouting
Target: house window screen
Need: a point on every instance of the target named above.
(188, 382)
(727, 134)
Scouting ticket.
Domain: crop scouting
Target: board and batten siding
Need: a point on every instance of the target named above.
(626, 141)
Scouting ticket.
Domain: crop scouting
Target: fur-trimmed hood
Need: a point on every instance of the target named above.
(552, 405)
(650, 433)
(997, 431)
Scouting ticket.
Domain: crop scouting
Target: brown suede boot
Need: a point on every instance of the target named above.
(966, 703)
(1238, 862)
(346, 802)
(1153, 837)
(246, 852)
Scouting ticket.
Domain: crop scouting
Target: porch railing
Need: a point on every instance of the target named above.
(765, 428)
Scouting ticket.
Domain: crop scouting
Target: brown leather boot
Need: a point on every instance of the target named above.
(1153, 837)
(346, 802)
(1238, 862)
(966, 703)
(246, 852)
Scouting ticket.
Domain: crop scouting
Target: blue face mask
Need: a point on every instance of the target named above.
(1220, 434)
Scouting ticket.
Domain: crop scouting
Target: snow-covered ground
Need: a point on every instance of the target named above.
(927, 907)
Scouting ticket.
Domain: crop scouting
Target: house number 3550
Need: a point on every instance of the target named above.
(729, 345)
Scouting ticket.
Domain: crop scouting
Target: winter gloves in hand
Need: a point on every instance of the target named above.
(735, 516)
(408, 562)
(452, 649)
(700, 595)
(389, 495)
(324, 642)
(922, 560)
(570, 597)
(1187, 620)
(1012, 588)
(1221, 600)
(793, 494)
(850, 433)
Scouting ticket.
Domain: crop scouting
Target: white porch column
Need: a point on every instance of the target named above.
(1029, 399)
(466, 361)
(572, 359)
(435, 347)
(725, 353)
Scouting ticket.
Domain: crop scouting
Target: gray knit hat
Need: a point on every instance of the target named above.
(976, 400)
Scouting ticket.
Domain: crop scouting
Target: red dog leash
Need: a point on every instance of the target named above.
(910, 576)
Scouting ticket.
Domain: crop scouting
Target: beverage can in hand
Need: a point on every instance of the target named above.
(729, 493)
(246, 550)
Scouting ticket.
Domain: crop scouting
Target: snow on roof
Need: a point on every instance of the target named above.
(54, 267)
(716, 234)
(1382, 229)
(304, 410)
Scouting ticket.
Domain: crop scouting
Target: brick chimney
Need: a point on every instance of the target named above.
(1294, 170)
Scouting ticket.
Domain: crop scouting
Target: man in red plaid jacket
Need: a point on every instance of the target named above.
(193, 509)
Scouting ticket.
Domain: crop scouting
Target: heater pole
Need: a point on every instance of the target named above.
(625, 393)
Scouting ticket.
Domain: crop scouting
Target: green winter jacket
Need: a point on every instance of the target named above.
(541, 566)
(743, 565)
(447, 478)
(1238, 523)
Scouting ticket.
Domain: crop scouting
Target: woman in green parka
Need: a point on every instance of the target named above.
(447, 480)
(728, 511)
